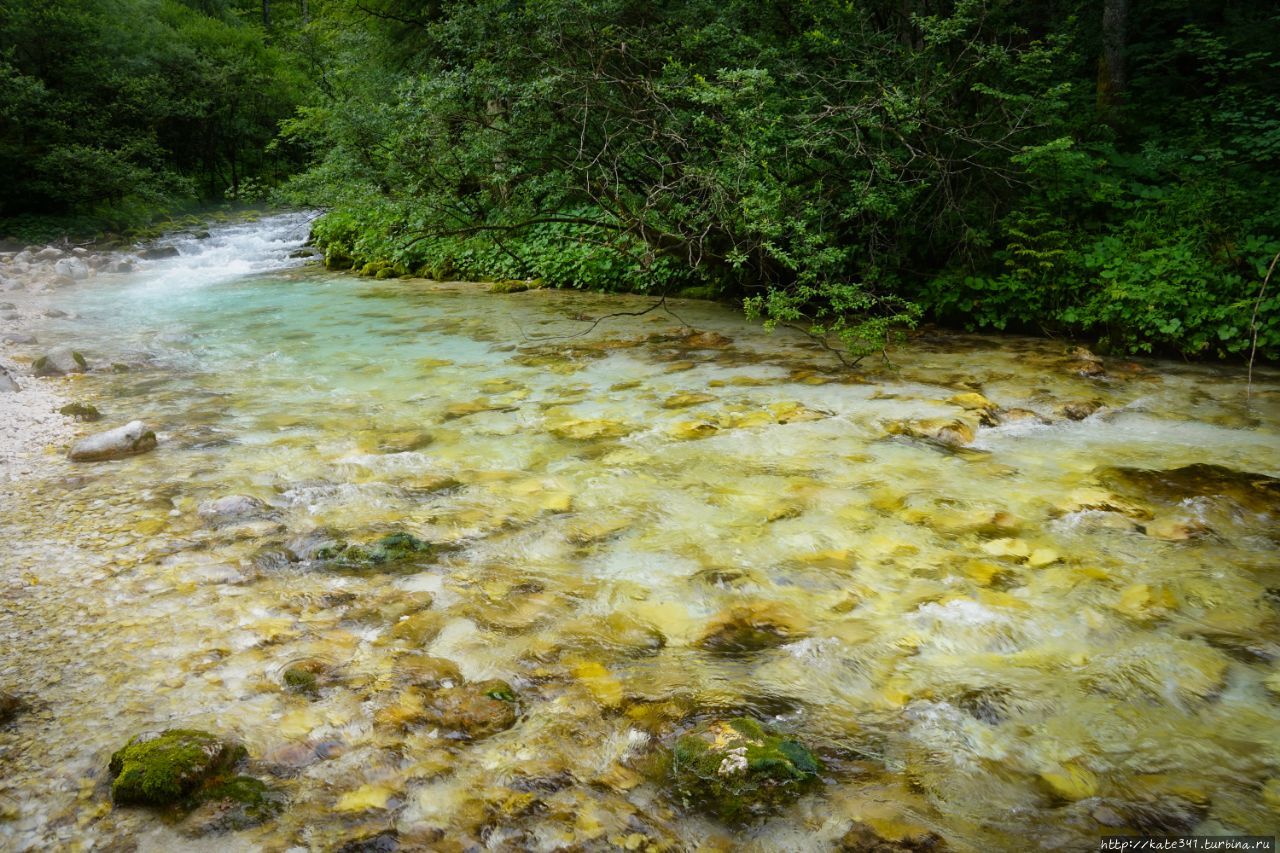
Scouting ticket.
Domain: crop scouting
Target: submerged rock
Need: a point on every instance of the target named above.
(863, 839)
(751, 627)
(737, 769)
(391, 550)
(128, 440)
(7, 382)
(318, 544)
(156, 253)
(230, 510)
(1255, 492)
(60, 363)
(466, 711)
(238, 803)
(163, 768)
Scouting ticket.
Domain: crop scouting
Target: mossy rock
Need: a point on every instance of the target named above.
(81, 411)
(737, 770)
(391, 551)
(509, 286)
(335, 259)
(234, 804)
(165, 768)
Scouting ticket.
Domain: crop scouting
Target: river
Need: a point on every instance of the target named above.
(987, 620)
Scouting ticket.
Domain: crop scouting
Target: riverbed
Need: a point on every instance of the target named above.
(986, 616)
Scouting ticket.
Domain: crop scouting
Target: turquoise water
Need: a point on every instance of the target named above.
(996, 639)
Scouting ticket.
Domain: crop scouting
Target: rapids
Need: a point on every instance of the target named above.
(1014, 642)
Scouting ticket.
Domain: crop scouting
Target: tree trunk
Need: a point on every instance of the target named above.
(266, 13)
(306, 17)
(1113, 78)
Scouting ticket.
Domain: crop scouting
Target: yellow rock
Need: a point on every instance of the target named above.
(1272, 683)
(299, 723)
(364, 798)
(995, 598)
(419, 629)
(586, 430)
(981, 572)
(556, 502)
(1271, 794)
(1140, 601)
(1042, 557)
(1007, 548)
(1071, 782)
(688, 398)
(410, 705)
(972, 401)
(688, 430)
(606, 689)
(1176, 530)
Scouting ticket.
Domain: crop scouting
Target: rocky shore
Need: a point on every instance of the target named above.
(30, 283)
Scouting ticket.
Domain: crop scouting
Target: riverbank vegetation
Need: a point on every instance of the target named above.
(1102, 171)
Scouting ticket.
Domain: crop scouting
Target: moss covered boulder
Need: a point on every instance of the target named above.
(169, 767)
(395, 550)
(738, 770)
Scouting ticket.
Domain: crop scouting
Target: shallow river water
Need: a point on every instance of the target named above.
(1018, 641)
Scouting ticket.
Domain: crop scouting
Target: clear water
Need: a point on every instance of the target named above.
(978, 648)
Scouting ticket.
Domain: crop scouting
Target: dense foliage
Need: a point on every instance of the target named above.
(1101, 170)
(113, 109)
(840, 166)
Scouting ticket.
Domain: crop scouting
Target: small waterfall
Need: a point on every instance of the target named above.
(229, 251)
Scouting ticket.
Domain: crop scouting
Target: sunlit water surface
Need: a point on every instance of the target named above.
(980, 642)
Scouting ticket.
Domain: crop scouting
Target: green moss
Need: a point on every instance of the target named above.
(509, 286)
(170, 766)
(39, 365)
(300, 680)
(83, 411)
(80, 360)
(390, 550)
(244, 802)
(738, 770)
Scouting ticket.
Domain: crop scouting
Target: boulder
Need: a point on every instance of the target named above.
(49, 253)
(239, 803)
(738, 770)
(156, 253)
(7, 382)
(60, 363)
(230, 510)
(75, 269)
(20, 338)
(164, 768)
(128, 440)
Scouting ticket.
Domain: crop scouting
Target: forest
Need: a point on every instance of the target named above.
(1100, 171)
